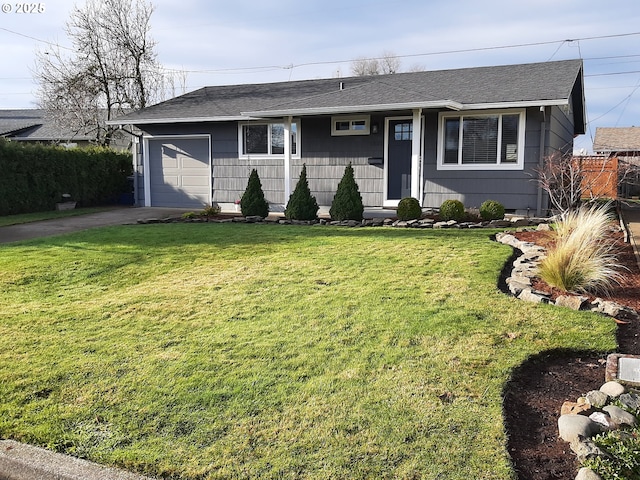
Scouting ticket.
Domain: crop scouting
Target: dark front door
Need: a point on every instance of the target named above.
(400, 136)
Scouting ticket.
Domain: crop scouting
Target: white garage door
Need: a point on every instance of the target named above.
(179, 172)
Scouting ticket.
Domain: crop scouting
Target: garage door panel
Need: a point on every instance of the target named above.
(179, 172)
(192, 181)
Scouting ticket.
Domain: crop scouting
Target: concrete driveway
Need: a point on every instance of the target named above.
(58, 226)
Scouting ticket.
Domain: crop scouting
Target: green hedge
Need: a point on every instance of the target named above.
(34, 177)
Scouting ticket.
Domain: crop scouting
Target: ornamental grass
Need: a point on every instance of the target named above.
(584, 256)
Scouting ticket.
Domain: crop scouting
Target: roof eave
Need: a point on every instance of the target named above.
(518, 104)
(449, 104)
(151, 121)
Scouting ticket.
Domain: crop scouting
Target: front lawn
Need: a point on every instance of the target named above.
(251, 351)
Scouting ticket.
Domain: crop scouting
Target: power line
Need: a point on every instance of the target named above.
(36, 39)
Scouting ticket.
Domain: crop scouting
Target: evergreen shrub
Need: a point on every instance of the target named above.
(409, 209)
(452, 210)
(347, 202)
(34, 177)
(302, 205)
(253, 202)
(492, 210)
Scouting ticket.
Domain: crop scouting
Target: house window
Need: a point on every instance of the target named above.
(266, 139)
(350, 125)
(482, 141)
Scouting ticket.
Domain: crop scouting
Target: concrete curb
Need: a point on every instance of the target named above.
(19, 461)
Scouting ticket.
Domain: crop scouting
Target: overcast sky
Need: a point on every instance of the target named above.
(254, 41)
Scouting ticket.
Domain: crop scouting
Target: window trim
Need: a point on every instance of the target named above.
(267, 155)
(518, 165)
(351, 119)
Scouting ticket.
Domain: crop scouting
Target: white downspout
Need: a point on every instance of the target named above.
(287, 159)
(416, 154)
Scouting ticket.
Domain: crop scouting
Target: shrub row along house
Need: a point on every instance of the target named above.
(465, 134)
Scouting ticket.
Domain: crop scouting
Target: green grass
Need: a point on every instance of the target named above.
(48, 215)
(250, 351)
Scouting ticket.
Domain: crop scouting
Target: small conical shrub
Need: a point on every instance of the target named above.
(347, 202)
(302, 205)
(253, 202)
(409, 209)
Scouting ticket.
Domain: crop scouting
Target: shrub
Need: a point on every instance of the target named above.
(347, 202)
(302, 205)
(452, 210)
(409, 209)
(211, 211)
(253, 202)
(34, 177)
(492, 210)
(583, 258)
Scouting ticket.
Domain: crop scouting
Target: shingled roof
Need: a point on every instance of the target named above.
(617, 139)
(549, 83)
(32, 125)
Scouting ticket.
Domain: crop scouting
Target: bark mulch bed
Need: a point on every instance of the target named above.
(539, 387)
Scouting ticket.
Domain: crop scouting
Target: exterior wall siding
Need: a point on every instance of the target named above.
(326, 157)
(516, 190)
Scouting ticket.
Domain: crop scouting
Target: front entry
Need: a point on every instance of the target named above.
(398, 164)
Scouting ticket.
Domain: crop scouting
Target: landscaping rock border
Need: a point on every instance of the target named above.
(422, 223)
(525, 268)
(595, 413)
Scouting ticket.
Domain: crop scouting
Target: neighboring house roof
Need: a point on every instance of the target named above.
(32, 125)
(534, 84)
(617, 139)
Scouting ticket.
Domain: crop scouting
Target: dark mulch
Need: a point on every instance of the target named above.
(540, 386)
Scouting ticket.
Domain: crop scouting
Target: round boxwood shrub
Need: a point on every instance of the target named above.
(492, 210)
(452, 210)
(409, 209)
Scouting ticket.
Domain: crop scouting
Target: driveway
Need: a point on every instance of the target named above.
(58, 226)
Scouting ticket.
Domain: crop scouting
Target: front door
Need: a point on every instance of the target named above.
(398, 164)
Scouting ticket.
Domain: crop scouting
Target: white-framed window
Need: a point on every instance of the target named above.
(265, 139)
(350, 125)
(484, 140)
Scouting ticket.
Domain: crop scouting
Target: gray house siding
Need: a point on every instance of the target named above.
(516, 190)
(560, 130)
(326, 157)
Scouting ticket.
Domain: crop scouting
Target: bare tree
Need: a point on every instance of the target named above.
(387, 63)
(112, 67)
(561, 178)
(568, 179)
(362, 67)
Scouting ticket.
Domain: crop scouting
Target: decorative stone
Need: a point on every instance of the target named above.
(620, 416)
(570, 427)
(543, 227)
(613, 389)
(584, 448)
(597, 398)
(530, 296)
(576, 408)
(573, 302)
(587, 474)
(605, 421)
(441, 225)
(630, 401)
